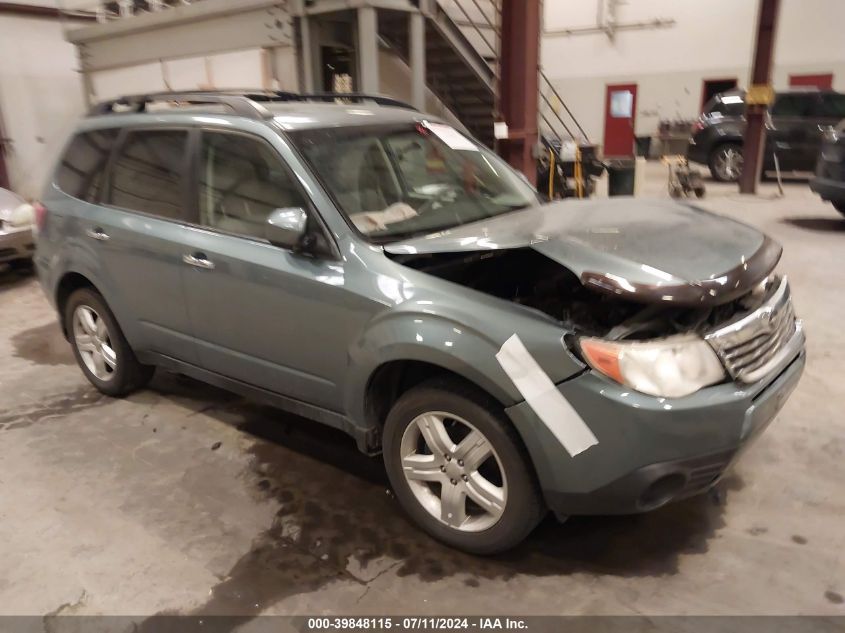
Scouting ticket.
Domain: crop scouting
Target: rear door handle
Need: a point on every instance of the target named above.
(97, 234)
(199, 260)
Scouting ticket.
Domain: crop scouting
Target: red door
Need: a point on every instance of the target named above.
(822, 82)
(620, 108)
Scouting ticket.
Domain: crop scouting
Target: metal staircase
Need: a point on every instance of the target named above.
(462, 53)
(455, 70)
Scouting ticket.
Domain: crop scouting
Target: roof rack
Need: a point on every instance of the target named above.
(359, 97)
(247, 103)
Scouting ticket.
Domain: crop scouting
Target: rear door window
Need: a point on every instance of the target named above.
(147, 174)
(81, 172)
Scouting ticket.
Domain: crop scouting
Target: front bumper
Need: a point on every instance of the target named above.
(15, 243)
(828, 189)
(650, 450)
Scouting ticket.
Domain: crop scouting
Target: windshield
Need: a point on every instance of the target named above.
(394, 182)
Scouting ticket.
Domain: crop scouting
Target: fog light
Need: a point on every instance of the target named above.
(661, 491)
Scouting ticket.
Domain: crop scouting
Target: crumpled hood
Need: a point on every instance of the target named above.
(646, 249)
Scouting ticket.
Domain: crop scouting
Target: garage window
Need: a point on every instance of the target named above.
(81, 172)
(241, 182)
(147, 174)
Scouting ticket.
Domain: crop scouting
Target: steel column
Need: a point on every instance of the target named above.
(416, 55)
(519, 83)
(368, 74)
(309, 55)
(761, 75)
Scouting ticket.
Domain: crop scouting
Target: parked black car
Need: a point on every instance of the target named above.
(796, 123)
(829, 182)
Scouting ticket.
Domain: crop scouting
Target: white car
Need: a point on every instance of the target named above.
(16, 221)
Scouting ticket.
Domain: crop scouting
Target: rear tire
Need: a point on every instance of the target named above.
(486, 480)
(99, 346)
(725, 162)
(839, 205)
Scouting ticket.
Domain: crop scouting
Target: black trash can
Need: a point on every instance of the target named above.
(620, 176)
(643, 146)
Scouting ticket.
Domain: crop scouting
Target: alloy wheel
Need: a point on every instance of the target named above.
(93, 341)
(728, 163)
(453, 471)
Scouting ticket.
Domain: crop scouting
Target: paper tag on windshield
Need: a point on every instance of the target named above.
(451, 137)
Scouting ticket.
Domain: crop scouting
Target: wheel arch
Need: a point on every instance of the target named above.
(391, 379)
(69, 283)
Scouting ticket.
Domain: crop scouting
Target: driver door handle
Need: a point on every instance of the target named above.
(199, 260)
(97, 234)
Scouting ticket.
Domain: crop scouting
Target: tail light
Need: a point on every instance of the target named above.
(40, 216)
(697, 127)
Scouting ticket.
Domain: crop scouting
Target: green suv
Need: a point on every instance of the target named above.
(373, 268)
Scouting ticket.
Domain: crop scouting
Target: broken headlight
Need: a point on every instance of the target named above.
(671, 367)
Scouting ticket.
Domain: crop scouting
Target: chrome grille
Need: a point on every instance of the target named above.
(758, 343)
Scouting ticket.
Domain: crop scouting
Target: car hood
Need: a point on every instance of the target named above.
(647, 250)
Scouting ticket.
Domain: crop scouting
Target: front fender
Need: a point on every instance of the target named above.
(451, 344)
(430, 339)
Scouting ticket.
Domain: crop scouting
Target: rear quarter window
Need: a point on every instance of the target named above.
(81, 172)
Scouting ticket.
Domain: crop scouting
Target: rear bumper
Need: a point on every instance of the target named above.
(651, 450)
(828, 189)
(15, 243)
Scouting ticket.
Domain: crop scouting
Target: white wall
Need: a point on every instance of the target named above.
(238, 69)
(40, 97)
(710, 40)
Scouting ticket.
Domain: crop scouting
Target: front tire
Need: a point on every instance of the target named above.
(99, 346)
(725, 162)
(458, 468)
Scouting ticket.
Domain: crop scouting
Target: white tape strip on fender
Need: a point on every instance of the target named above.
(544, 398)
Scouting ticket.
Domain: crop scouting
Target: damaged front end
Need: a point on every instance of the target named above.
(667, 340)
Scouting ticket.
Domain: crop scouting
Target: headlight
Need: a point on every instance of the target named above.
(23, 215)
(672, 367)
(831, 134)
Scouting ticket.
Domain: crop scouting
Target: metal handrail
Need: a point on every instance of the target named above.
(557, 116)
(495, 28)
(563, 103)
(475, 26)
(547, 82)
(552, 127)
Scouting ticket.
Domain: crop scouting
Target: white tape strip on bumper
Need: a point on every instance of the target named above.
(544, 398)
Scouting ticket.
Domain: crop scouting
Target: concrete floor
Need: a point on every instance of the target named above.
(183, 498)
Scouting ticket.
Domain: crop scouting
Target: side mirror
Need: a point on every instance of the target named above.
(286, 227)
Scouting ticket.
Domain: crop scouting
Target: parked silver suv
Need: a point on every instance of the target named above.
(373, 268)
